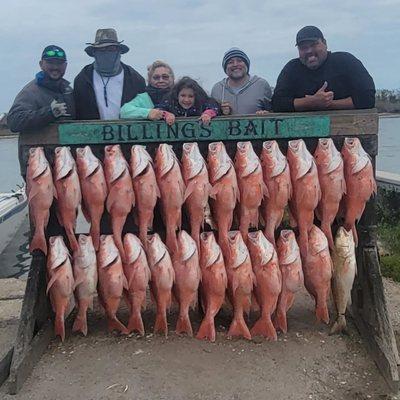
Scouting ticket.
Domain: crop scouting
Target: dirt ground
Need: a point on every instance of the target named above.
(304, 364)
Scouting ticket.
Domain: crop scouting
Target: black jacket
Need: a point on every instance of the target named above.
(175, 108)
(85, 98)
(345, 74)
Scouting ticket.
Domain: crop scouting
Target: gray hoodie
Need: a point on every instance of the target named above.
(255, 95)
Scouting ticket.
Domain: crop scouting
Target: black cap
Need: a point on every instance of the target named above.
(53, 52)
(308, 33)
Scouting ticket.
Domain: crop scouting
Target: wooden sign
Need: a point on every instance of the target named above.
(190, 129)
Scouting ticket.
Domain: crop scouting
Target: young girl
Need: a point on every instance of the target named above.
(188, 99)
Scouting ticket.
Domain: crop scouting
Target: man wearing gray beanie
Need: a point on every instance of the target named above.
(240, 92)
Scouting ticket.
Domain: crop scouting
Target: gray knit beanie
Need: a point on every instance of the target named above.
(235, 52)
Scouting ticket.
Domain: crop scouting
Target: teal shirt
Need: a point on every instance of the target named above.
(137, 108)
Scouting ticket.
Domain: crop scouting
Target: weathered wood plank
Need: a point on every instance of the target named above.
(23, 365)
(34, 313)
(272, 126)
(5, 364)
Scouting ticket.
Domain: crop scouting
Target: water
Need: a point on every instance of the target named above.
(389, 145)
(9, 165)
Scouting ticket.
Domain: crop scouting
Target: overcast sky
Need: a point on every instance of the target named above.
(193, 35)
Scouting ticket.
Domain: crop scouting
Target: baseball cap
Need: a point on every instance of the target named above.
(308, 33)
(53, 52)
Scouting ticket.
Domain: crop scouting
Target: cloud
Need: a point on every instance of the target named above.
(192, 35)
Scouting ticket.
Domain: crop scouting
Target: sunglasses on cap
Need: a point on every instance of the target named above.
(54, 53)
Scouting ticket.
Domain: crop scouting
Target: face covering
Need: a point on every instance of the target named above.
(107, 63)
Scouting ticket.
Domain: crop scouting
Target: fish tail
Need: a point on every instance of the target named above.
(95, 234)
(59, 327)
(280, 321)
(239, 328)
(80, 324)
(114, 324)
(161, 323)
(38, 242)
(207, 329)
(72, 240)
(264, 327)
(136, 324)
(183, 325)
(339, 326)
(322, 313)
(326, 228)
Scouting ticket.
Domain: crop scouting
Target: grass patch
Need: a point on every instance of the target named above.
(389, 237)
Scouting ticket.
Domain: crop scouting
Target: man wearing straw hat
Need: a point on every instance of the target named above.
(101, 88)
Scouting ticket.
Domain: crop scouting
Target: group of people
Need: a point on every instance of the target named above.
(108, 89)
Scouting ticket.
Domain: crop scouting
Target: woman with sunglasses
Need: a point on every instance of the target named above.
(144, 106)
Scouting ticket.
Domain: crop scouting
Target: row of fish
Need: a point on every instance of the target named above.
(325, 184)
(236, 271)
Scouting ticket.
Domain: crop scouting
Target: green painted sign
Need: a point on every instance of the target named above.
(187, 130)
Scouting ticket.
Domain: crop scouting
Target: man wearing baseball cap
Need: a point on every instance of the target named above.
(47, 98)
(322, 80)
(240, 92)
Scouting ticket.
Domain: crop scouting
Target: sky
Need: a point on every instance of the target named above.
(193, 35)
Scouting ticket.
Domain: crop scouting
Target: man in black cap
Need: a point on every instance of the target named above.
(321, 80)
(101, 88)
(47, 98)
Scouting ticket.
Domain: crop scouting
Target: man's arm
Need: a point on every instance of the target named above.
(362, 84)
(25, 114)
(342, 104)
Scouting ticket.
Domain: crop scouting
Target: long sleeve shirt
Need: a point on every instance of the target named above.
(345, 74)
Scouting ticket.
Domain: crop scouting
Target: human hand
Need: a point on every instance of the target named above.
(205, 118)
(262, 112)
(155, 114)
(322, 99)
(59, 109)
(226, 108)
(169, 118)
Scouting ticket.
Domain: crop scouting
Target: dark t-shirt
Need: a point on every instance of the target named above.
(345, 74)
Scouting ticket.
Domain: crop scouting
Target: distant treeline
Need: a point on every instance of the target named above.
(388, 100)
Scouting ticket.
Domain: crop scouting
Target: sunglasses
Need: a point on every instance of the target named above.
(163, 77)
(56, 53)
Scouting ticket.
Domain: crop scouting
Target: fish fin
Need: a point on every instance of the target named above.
(125, 282)
(339, 326)
(207, 330)
(135, 324)
(322, 313)
(239, 328)
(213, 191)
(161, 324)
(80, 279)
(158, 193)
(344, 186)
(254, 303)
(109, 201)
(264, 327)
(33, 192)
(59, 327)
(51, 281)
(189, 189)
(183, 325)
(114, 324)
(38, 242)
(280, 321)
(85, 212)
(80, 325)
(265, 190)
(55, 195)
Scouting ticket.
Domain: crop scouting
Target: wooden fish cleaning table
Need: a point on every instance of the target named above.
(368, 301)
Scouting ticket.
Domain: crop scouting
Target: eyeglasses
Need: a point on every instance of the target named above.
(163, 77)
(52, 53)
